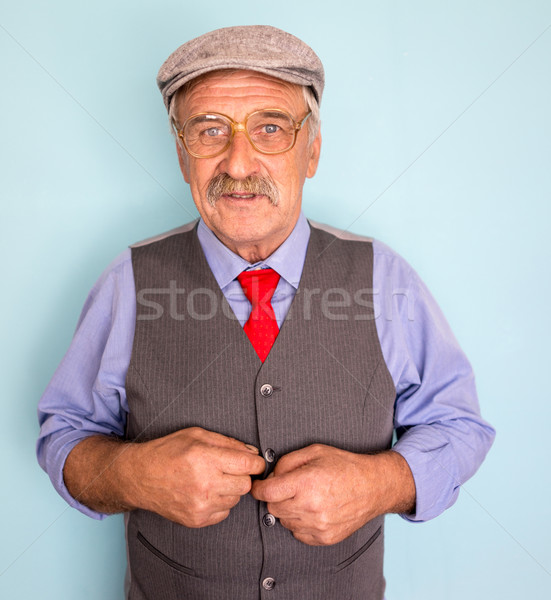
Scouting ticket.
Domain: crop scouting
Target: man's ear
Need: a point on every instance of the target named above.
(315, 150)
(183, 159)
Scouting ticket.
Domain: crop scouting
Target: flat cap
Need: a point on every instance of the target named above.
(252, 47)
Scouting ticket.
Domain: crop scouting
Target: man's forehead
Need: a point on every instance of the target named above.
(238, 82)
(259, 48)
(244, 91)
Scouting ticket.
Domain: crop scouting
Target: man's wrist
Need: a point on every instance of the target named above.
(99, 471)
(403, 483)
(390, 483)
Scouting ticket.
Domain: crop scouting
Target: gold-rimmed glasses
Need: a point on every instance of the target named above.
(270, 131)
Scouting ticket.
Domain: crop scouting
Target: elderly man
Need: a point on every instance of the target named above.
(234, 385)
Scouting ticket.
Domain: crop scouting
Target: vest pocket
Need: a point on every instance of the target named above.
(163, 557)
(347, 562)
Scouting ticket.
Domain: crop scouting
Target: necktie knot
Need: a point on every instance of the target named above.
(261, 328)
(259, 285)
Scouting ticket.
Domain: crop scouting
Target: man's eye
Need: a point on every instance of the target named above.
(271, 128)
(212, 132)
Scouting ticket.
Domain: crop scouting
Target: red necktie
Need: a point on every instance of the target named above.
(261, 328)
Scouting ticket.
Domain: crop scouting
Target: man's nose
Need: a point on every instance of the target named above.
(241, 159)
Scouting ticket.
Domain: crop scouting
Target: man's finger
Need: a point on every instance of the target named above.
(212, 519)
(235, 485)
(275, 489)
(226, 502)
(237, 462)
(294, 460)
(287, 511)
(222, 441)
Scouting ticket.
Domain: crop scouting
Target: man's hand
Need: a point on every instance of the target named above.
(323, 494)
(193, 476)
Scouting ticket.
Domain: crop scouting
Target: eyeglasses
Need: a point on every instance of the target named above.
(270, 131)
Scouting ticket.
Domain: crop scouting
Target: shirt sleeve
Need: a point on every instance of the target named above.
(86, 395)
(440, 431)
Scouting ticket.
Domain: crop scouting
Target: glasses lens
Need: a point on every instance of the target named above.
(207, 135)
(271, 131)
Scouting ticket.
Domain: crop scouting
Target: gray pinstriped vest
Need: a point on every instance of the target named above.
(192, 365)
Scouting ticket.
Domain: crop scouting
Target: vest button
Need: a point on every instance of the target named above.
(269, 520)
(266, 390)
(269, 455)
(268, 583)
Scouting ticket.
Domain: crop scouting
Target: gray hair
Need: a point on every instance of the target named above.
(314, 120)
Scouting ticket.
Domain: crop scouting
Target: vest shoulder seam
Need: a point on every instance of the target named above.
(341, 234)
(162, 236)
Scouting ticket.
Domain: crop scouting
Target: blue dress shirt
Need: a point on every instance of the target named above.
(439, 429)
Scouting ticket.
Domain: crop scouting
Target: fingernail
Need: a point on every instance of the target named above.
(252, 448)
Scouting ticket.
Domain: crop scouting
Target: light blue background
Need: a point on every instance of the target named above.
(437, 129)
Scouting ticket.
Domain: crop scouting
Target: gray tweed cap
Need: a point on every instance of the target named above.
(253, 47)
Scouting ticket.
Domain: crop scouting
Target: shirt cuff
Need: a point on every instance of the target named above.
(57, 450)
(436, 488)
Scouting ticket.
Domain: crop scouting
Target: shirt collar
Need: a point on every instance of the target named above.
(287, 260)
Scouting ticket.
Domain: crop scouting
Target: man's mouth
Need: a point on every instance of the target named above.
(239, 196)
(224, 186)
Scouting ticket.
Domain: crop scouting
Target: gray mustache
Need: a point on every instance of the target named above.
(224, 184)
